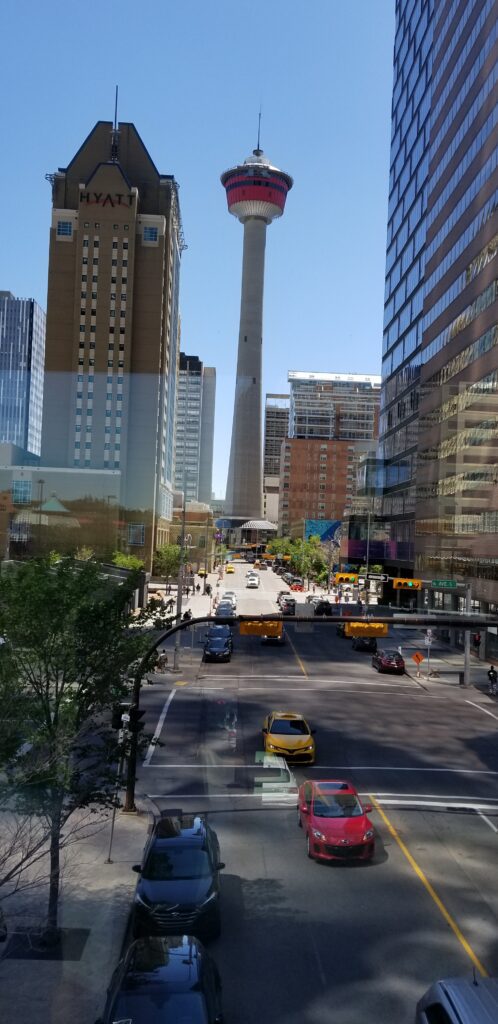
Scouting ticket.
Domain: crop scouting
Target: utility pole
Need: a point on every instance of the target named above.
(206, 553)
(329, 573)
(367, 562)
(179, 595)
(466, 649)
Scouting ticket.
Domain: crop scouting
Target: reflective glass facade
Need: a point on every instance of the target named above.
(22, 354)
(457, 476)
(405, 272)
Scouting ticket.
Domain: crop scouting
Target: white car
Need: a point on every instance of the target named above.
(253, 582)
(229, 595)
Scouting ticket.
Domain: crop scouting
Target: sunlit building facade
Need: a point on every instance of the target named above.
(22, 354)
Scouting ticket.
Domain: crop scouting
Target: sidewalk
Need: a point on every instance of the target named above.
(69, 983)
(446, 662)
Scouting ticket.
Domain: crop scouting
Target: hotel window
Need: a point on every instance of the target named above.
(86, 224)
(126, 227)
(96, 243)
(95, 279)
(124, 263)
(64, 229)
(82, 328)
(85, 260)
(83, 278)
(85, 243)
(114, 263)
(125, 245)
(96, 225)
(95, 262)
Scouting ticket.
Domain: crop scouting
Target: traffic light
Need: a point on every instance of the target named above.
(117, 712)
(136, 725)
(346, 577)
(401, 584)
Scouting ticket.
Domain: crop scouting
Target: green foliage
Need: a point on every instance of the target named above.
(307, 558)
(84, 554)
(126, 561)
(167, 560)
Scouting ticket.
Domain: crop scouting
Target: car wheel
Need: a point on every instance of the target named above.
(299, 822)
(308, 847)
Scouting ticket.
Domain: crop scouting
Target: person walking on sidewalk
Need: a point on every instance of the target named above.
(493, 680)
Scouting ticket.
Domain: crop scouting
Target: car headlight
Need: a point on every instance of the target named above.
(317, 834)
(368, 834)
(270, 746)
(143, 901)
(309, 747)
(207, 901)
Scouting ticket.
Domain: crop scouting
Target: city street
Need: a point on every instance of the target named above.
(307, 941)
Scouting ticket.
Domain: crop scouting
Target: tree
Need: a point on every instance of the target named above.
(67, 658)
(127, 561)
(167, 560)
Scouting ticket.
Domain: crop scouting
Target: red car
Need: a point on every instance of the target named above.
(388, 661)
(335, 821)
(297, 584)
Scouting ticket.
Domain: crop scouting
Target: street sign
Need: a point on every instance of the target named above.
(428, 641)
(449, 584)
(417, 657)
(381, 577)
(361, 580)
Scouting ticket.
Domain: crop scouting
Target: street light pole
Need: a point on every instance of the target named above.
(367, 561)
(206, 553)
(179, 595)
(466, 648)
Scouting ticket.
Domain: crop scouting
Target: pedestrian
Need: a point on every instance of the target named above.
(493, 679)
(170, 605)
(187, 590)
(359, 603)
(198, 587)
(314, 588)
(337, 599)
(208, 589)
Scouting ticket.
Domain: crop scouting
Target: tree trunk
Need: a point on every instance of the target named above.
(52, 930)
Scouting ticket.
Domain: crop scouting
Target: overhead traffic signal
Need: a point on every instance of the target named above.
(366, 628)
(406, 584)
(346, 577)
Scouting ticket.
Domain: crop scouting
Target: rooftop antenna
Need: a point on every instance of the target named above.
(115, 132)
(258, 150)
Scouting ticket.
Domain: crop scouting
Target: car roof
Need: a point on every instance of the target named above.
(174, 961)
(333, 786)
(287, 714)
(176, 825)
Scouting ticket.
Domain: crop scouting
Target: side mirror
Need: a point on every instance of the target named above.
(304, 809)
(137, 868)
(264, 730)
(221, 865)
(367, 808)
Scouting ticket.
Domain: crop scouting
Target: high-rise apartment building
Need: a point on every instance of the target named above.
(22, 354)
(194, 432)
(440, 364)
(276, 429)
(317, 480)
(113, 331)
(334, 405)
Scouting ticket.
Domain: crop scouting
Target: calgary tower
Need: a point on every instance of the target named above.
(256, 193)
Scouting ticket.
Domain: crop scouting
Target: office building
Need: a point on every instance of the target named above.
(22, 354)
(440, 366)
(194, 431)
(256, 193)
(113, 333)
(344, 406)
(276, 429)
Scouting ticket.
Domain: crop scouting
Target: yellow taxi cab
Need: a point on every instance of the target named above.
(288, 735)
(229, 568)
(201, 572)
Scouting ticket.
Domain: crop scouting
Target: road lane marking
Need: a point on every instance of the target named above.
(296, 655)
(393, 768)
(183, 682)
(158, 730)
(447, 805)
(481, 708)
(450, 921)
(488, 822)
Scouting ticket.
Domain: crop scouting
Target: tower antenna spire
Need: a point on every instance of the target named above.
(258, 148)
(115, 132)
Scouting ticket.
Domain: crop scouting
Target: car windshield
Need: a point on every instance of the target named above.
(176, 862)
(290, 727)
(217, 641)
(336, 805)
(150, 1003)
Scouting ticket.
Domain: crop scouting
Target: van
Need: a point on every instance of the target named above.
(459, 1001)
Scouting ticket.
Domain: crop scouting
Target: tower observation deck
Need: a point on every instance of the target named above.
(256, 193)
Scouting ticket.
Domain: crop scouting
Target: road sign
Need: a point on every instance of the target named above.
(449, 584)
(428, 640)
(381, 577)
(417, 657)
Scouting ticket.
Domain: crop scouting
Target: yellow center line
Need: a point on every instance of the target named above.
(182, 682)
(432, 892)
(298, 659)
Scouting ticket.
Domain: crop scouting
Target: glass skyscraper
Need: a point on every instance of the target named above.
(22, 355)
(439, 423)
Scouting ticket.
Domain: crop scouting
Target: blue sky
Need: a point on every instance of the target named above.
(191, 77)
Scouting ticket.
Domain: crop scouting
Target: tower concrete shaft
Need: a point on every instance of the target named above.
(244, 494)
(256, 193)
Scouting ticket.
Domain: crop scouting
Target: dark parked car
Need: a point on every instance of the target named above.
(364, 643)
(217, 648)
(164, 979)
(322, 608)
(219, 630)
(179, 887)
(288, 605)
(388, 661)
